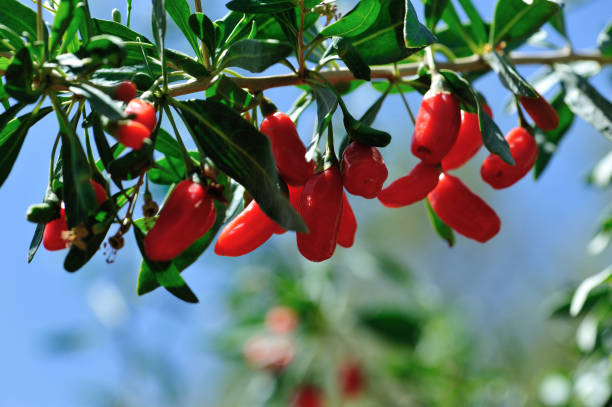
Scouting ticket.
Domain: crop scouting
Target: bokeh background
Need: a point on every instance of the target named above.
(86, 339)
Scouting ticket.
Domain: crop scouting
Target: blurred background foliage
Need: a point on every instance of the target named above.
(476, 325)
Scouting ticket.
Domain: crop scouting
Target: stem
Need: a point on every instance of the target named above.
(39, 21)
(203, 49)
(129, 13)
(301, 64)
(189, 168)
(405, 103)
(431, 62)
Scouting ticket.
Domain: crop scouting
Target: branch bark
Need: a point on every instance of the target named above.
(468, 64)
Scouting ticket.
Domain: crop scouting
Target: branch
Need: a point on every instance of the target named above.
(468, 64)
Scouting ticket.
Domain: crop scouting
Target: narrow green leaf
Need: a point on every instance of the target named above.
(416, 35)
(100, 101)
(351, 57)
(356, 21)
(187, 64)
(393, 325)
(433, 12)
(51, 199)
(364, 134)
(204, 29)
(166, 144)
(168, 277)
(604, 40)
(585, 288)
(19, 76)
(104, 150)
(515, 20)
(255, 55)
(585, 101)
(509, 76)
(558, 23)
(132, 164)
(327, 102)
(549, 140)
(179, 12)
(158, 22)
(441, 228)
(11, 139)
(260, 6)
(19, 18)
(243, 153)
(225, 90)
(479, 28)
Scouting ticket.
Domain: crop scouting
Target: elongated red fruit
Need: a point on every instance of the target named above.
(132, 134)
(348, 224)
(246, 232)
(437, 125)
(363, 170)
(294, 199)
(307, 396)
(352, 380)
(524, 150)
(288, 150)
(52, 235)
(187, 215)
(100, 192)
(543, 114)
(144, 111)
(468, 141)
(125, 91)
(321, 208)
(463, 210)
(411, 188)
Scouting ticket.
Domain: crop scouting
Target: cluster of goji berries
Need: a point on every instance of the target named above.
(445, 138)
(133, 132)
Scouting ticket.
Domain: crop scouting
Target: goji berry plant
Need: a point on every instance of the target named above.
(118, 96)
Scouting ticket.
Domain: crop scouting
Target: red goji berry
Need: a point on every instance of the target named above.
(463, 210)
(468, 141)
(524, 150)
(294, 199)
(132, 134)
(307, 396)
(125, 91)
(437, 124)
(352, 380)
(363, 170)
(288, 150)
(348, 224)
(52, 235)
(100, 192)
(321, 208)
(144, 111)
(246, 232)
(543, 114)
(187, 215)
(411, 188)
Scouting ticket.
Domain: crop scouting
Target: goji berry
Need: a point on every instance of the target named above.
(288, 150)
(463, 210)
(524, 150)
(246, 232)
(144, 112)
(125, 91)
(543, 114)
(352, 380)
(307, 396)
(52, 235)
(348, 224)
(468, 141)
(363, 170)
(187, 215)
(411, 188)
(281, 320)
(132, 134)
(320, 206)
(437, 123)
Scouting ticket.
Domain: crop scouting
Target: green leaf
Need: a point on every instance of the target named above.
(260, 6)
(204, 29)
(255, 55)
(604, 40)
(585, 288)
(158, 22)
(225, 90)
(132, 164)
(351, 57)
(393, 325)
(478, 26)
(558, 23)
(509, 76)
(166, 276)
(19, 75)
(355, 21)
(52, 199)
(585, 101)
(441, 228)
(515, 20)
(364, 134)
(549, 140)
(327, 102)
(433, 12)
(186, 63)
(11, 139)
(179, 11)
(166, 144)
(78, 193)
(12, 37)
(170, 170)
(101, 50)
(10, 113)
(104, 150)
(118, 30)
(67, 19)
(19, 18)
(243, 153)
(100, 101)
(416, 35)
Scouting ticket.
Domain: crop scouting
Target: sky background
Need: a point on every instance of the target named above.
(501, 286)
